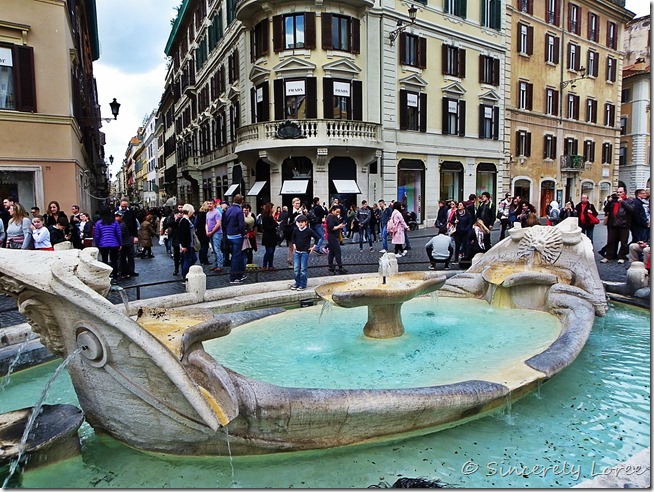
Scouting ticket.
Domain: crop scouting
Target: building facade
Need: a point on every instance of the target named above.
(51, 147)
(635, 123)
(563, 98)
(348, 99)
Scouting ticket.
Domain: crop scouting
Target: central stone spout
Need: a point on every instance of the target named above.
(384, 301)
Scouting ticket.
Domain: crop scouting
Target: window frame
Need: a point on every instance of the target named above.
(23, 76)
(489, 70)
(551, 101)
(525, 39)
(523, 143)
(453, 61)
(525, 95)
(552, 49)
(413, 50)
(589, 150)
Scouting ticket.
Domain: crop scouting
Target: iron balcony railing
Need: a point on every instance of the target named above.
(573, 163)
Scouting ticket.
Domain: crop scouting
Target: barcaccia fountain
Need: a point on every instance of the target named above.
(150, 383)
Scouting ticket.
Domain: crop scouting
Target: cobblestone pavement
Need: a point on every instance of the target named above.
(160, 269)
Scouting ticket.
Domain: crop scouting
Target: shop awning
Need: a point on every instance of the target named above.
(346, 186)
(256, 188)
(232, 189)
(294, 187)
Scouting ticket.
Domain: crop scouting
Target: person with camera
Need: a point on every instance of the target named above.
(617, 217)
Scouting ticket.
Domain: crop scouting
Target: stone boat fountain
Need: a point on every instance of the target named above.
(149, 382)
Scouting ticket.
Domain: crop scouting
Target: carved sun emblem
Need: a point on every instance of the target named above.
(544, 243)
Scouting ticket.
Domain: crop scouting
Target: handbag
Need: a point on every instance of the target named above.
(593, 220)
(196, 242)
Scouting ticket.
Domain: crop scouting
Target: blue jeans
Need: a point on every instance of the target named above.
(384, 237)
(237, 269)
(321, 232)
(189, 258)
(300, 268)
(217, 241)
(268, 256)
(364, 229)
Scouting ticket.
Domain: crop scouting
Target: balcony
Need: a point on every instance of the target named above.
(309, 133)
(573, 163)
(188, 164)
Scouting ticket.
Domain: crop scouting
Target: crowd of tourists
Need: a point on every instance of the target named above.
(229, 232)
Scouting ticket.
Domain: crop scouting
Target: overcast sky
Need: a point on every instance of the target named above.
(132, 64)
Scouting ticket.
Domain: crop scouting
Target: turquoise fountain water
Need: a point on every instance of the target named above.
(593, 415)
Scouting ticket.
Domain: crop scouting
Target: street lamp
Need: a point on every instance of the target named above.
(392, 36)
(115, 108)
(565, 83)
(111, 157)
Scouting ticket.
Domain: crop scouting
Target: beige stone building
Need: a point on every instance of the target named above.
(635, 119)
(563, 98)
(348, 99)
(51, 147)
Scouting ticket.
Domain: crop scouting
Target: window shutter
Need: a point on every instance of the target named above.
(597, 31)
(252, 42)
(496, 14)
(278, 33)
(310, 30)
(265, 104)
(462, 63)
(568, 59)
(575, 146)
(579, 20)
(422, 52)
(496, 123)
(444, 49)
(528, 149)
(328, 97)
(253, 104)
(230, 68)
(236, 66)
(445, 118)
(278, 88)
(311, 97)
(357, 100)
(530, 95)
(545, 54)
(402, 47)
(463, 8)
(462, 118)
(356, 36)
(594, 111)
(557, 13)
(482, 66)
(496, 71)
(482, 107)
(404, 120)
(25, 80)
(265, 37)
(592, 151)
(422, 114)
(326, 28)
(576, 109)
(557, 50)
(530, 7)
(554, 147)
(530, 40)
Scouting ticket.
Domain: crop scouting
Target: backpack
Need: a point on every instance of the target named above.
(311, 217)
(554, 214)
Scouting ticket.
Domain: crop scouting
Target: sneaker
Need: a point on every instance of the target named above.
(372, 249)
(382, 251)
(236, 281)
(360, 250)
(342, 271)
(293, 287)
(620, 261)
(300, 288)
(431, 267)
(446, 268)
(604, 260)
(243, 277)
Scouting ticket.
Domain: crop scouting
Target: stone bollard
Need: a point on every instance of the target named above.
(196, 282)
(637, 277)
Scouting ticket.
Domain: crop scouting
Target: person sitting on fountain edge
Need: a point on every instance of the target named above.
(301, 244)
(439, 249)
